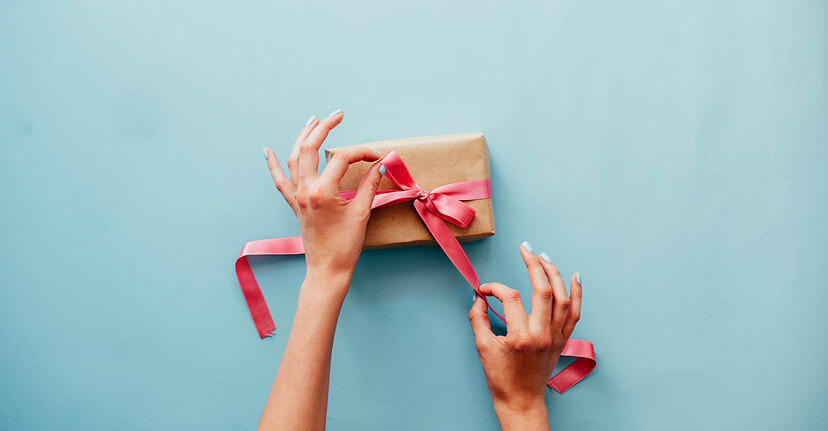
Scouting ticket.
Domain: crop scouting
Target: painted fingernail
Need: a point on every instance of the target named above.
(376, 151)
(545, 257)
(310, 120)
(382, 170)
(527, 246)
(266, 154)
(578, 279)
(337, 112)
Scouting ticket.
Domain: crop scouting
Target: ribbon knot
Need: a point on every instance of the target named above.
(445, 201)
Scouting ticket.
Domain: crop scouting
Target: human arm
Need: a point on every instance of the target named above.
(333, 230)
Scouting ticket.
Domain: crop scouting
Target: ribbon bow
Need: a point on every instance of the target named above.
(434, 207)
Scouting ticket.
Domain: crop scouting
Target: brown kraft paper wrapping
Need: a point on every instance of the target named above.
(433, 161)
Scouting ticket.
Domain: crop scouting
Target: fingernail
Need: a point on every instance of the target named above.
(265, 151)
(382, 170)
(527, 246)
(376, 151)
(578, 279)
(545, 257)
(337, 112)
(475, 297)
(310, 120)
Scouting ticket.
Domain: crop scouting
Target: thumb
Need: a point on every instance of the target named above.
(479, 319)
(368, 187)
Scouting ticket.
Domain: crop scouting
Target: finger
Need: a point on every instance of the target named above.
(293, 160)
(282, 182)
(541, 289)
(516, 319)
(341, 160)
(574, 307)
(309, 149)
(479, 319)
(561, 299)
(368, 188)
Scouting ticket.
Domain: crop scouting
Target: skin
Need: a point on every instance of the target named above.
(516, 365)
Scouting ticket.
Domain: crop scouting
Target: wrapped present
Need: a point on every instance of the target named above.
(433, 161)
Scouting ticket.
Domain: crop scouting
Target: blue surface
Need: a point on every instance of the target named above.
(674, 152)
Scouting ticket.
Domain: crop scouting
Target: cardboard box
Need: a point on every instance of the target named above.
(433, 161)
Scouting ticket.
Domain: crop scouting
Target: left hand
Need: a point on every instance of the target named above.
(333, 229)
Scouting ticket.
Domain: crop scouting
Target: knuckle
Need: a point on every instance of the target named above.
(564, 302)
(576, 316)
(359, 211)
(521, 345)
(546, 292)
(512, 295)
(301, 198)
(543, 344)
(363, 214)
(475, 313)
(316, 198)
(520, 342)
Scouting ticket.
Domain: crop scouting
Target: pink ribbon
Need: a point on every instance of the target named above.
(435, 207)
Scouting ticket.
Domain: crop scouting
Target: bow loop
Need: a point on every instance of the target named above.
(440, 203)
(450, 209)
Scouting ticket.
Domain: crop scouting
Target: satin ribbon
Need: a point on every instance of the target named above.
(435, 208)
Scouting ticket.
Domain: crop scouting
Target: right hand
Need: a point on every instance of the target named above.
(518, 365)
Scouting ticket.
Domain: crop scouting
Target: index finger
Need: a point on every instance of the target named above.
(516, 319)
(340, 161)
(479, 320)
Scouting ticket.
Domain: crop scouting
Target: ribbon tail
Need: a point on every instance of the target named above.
(247, 280)
(576, 371)
(452, 248)
(255, 300)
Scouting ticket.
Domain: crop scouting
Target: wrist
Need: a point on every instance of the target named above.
(329, 276)
(325, 282)
(527, 415)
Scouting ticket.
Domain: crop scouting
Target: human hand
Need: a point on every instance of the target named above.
(518, 365)
(333, 229)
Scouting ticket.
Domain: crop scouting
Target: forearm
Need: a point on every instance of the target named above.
(299, 396)
(534, 418)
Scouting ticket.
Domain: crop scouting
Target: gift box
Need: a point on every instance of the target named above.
(433, 161)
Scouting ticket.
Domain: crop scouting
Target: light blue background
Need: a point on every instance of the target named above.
(673, 152)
